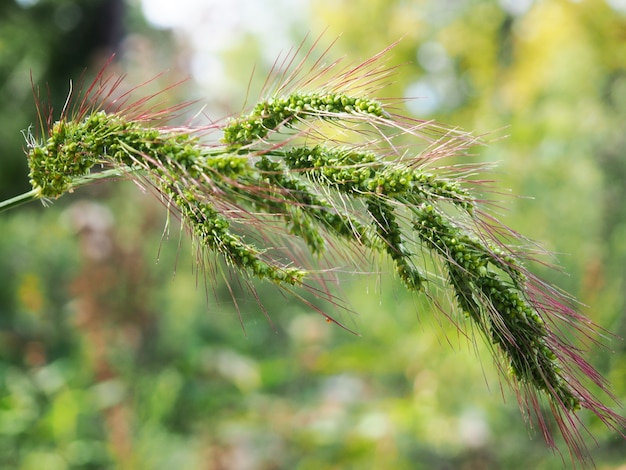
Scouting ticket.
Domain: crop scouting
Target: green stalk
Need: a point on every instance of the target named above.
(35, 194)
(32, 195)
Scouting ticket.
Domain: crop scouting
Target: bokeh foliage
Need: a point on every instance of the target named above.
(108, 361)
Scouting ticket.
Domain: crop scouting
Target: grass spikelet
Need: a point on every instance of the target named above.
(276, 183)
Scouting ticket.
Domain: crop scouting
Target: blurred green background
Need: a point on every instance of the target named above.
(109, 360)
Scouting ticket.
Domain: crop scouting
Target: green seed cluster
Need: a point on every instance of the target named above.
(363, 172)
(55, 165)
(66, 155)
(227, 165)
(391, 234)
(304, 210)
(283, 111)
(212, 229)
(73, 148)
(363, 197)
(495, 305)
(296, 184)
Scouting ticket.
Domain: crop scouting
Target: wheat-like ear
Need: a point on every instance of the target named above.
(319, 163)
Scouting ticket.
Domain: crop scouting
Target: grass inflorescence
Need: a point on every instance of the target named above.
(275, 180)
(270, 114)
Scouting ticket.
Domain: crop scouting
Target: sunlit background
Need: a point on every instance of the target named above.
(115, 354)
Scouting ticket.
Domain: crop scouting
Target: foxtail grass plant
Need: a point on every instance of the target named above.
(317, 168)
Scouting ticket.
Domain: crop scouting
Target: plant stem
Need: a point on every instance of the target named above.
(35, 194)
(16, 201)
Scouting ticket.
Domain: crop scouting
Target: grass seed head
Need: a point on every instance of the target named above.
(278, 182)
